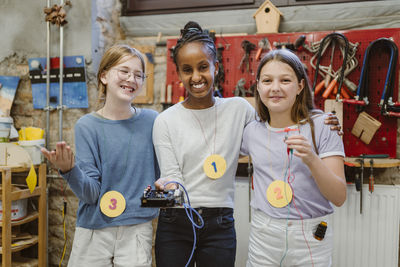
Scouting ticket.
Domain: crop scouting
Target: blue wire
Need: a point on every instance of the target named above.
(190, 216)
(288, 208)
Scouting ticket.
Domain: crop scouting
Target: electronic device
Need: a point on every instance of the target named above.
(161, 198)
(320, 232)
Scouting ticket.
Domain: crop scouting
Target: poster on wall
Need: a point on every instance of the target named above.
(8, 87)
(74, 82)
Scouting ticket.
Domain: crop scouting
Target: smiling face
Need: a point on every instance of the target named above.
(122, 81)
(197, 70)
(278, 88)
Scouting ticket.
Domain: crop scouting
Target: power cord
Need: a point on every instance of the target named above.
(189, 210)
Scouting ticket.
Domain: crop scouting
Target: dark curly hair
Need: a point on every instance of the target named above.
(192, 32)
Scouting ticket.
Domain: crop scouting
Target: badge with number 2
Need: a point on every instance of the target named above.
(214, 166)
(279, 194)
(112, 204)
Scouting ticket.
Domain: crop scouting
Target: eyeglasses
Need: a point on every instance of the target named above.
(125, 75)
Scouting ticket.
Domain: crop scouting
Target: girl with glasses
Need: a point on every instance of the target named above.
(114, 162)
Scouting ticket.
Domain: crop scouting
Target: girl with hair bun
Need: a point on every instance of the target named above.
(197, 142)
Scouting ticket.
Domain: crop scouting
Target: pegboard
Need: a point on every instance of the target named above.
(384, 140)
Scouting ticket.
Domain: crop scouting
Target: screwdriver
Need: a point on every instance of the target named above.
(361, 161)
(371, 176)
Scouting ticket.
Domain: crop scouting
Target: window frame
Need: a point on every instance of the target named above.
(147, 7)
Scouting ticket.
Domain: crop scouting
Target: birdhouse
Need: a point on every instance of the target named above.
(267, 18)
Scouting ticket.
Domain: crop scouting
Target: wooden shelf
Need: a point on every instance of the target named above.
(8, 195)
(22, 244)
(32, 216)
(378, 163)
(24, 262)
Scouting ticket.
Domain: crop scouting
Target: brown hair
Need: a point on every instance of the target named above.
(111, 58)
(303, 106)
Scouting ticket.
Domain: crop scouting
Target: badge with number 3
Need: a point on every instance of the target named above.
(112, 204)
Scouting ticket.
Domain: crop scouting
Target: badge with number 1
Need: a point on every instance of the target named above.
(112, 204)
(214, 166)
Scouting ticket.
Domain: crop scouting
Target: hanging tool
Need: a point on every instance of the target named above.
(220, 77)
(357, 182)
(341, 75)
(240, 90)
(327, 73)
(388, 108)
(247, 47)
(263, 44)
(328, 77)
(292, 46)
(361, 161)
(371, 176)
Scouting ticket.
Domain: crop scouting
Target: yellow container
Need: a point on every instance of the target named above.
(30, 133)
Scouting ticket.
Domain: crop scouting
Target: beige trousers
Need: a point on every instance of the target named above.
(119, 246)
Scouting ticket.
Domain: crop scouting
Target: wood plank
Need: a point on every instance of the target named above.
(6, 227)
(32, 216)
(25, 193)
(378, 163)
(24, 262)
(42, 217)
(20, 245)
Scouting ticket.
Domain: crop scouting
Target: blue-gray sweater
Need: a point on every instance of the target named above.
(113, 155)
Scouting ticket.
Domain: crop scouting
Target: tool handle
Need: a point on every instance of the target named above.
(393, 114)
(327, 79)
(329, 89)
(354, 102)
(344, 93)
(319, 87)
(335, 89)
(371, 183)
(357, 182)
(348, 91)
(258, 54)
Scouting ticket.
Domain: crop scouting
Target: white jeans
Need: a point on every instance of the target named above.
(268, 238)
(119, 246)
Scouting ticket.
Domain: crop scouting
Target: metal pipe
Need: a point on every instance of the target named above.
(47, 108)
(60, 98)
